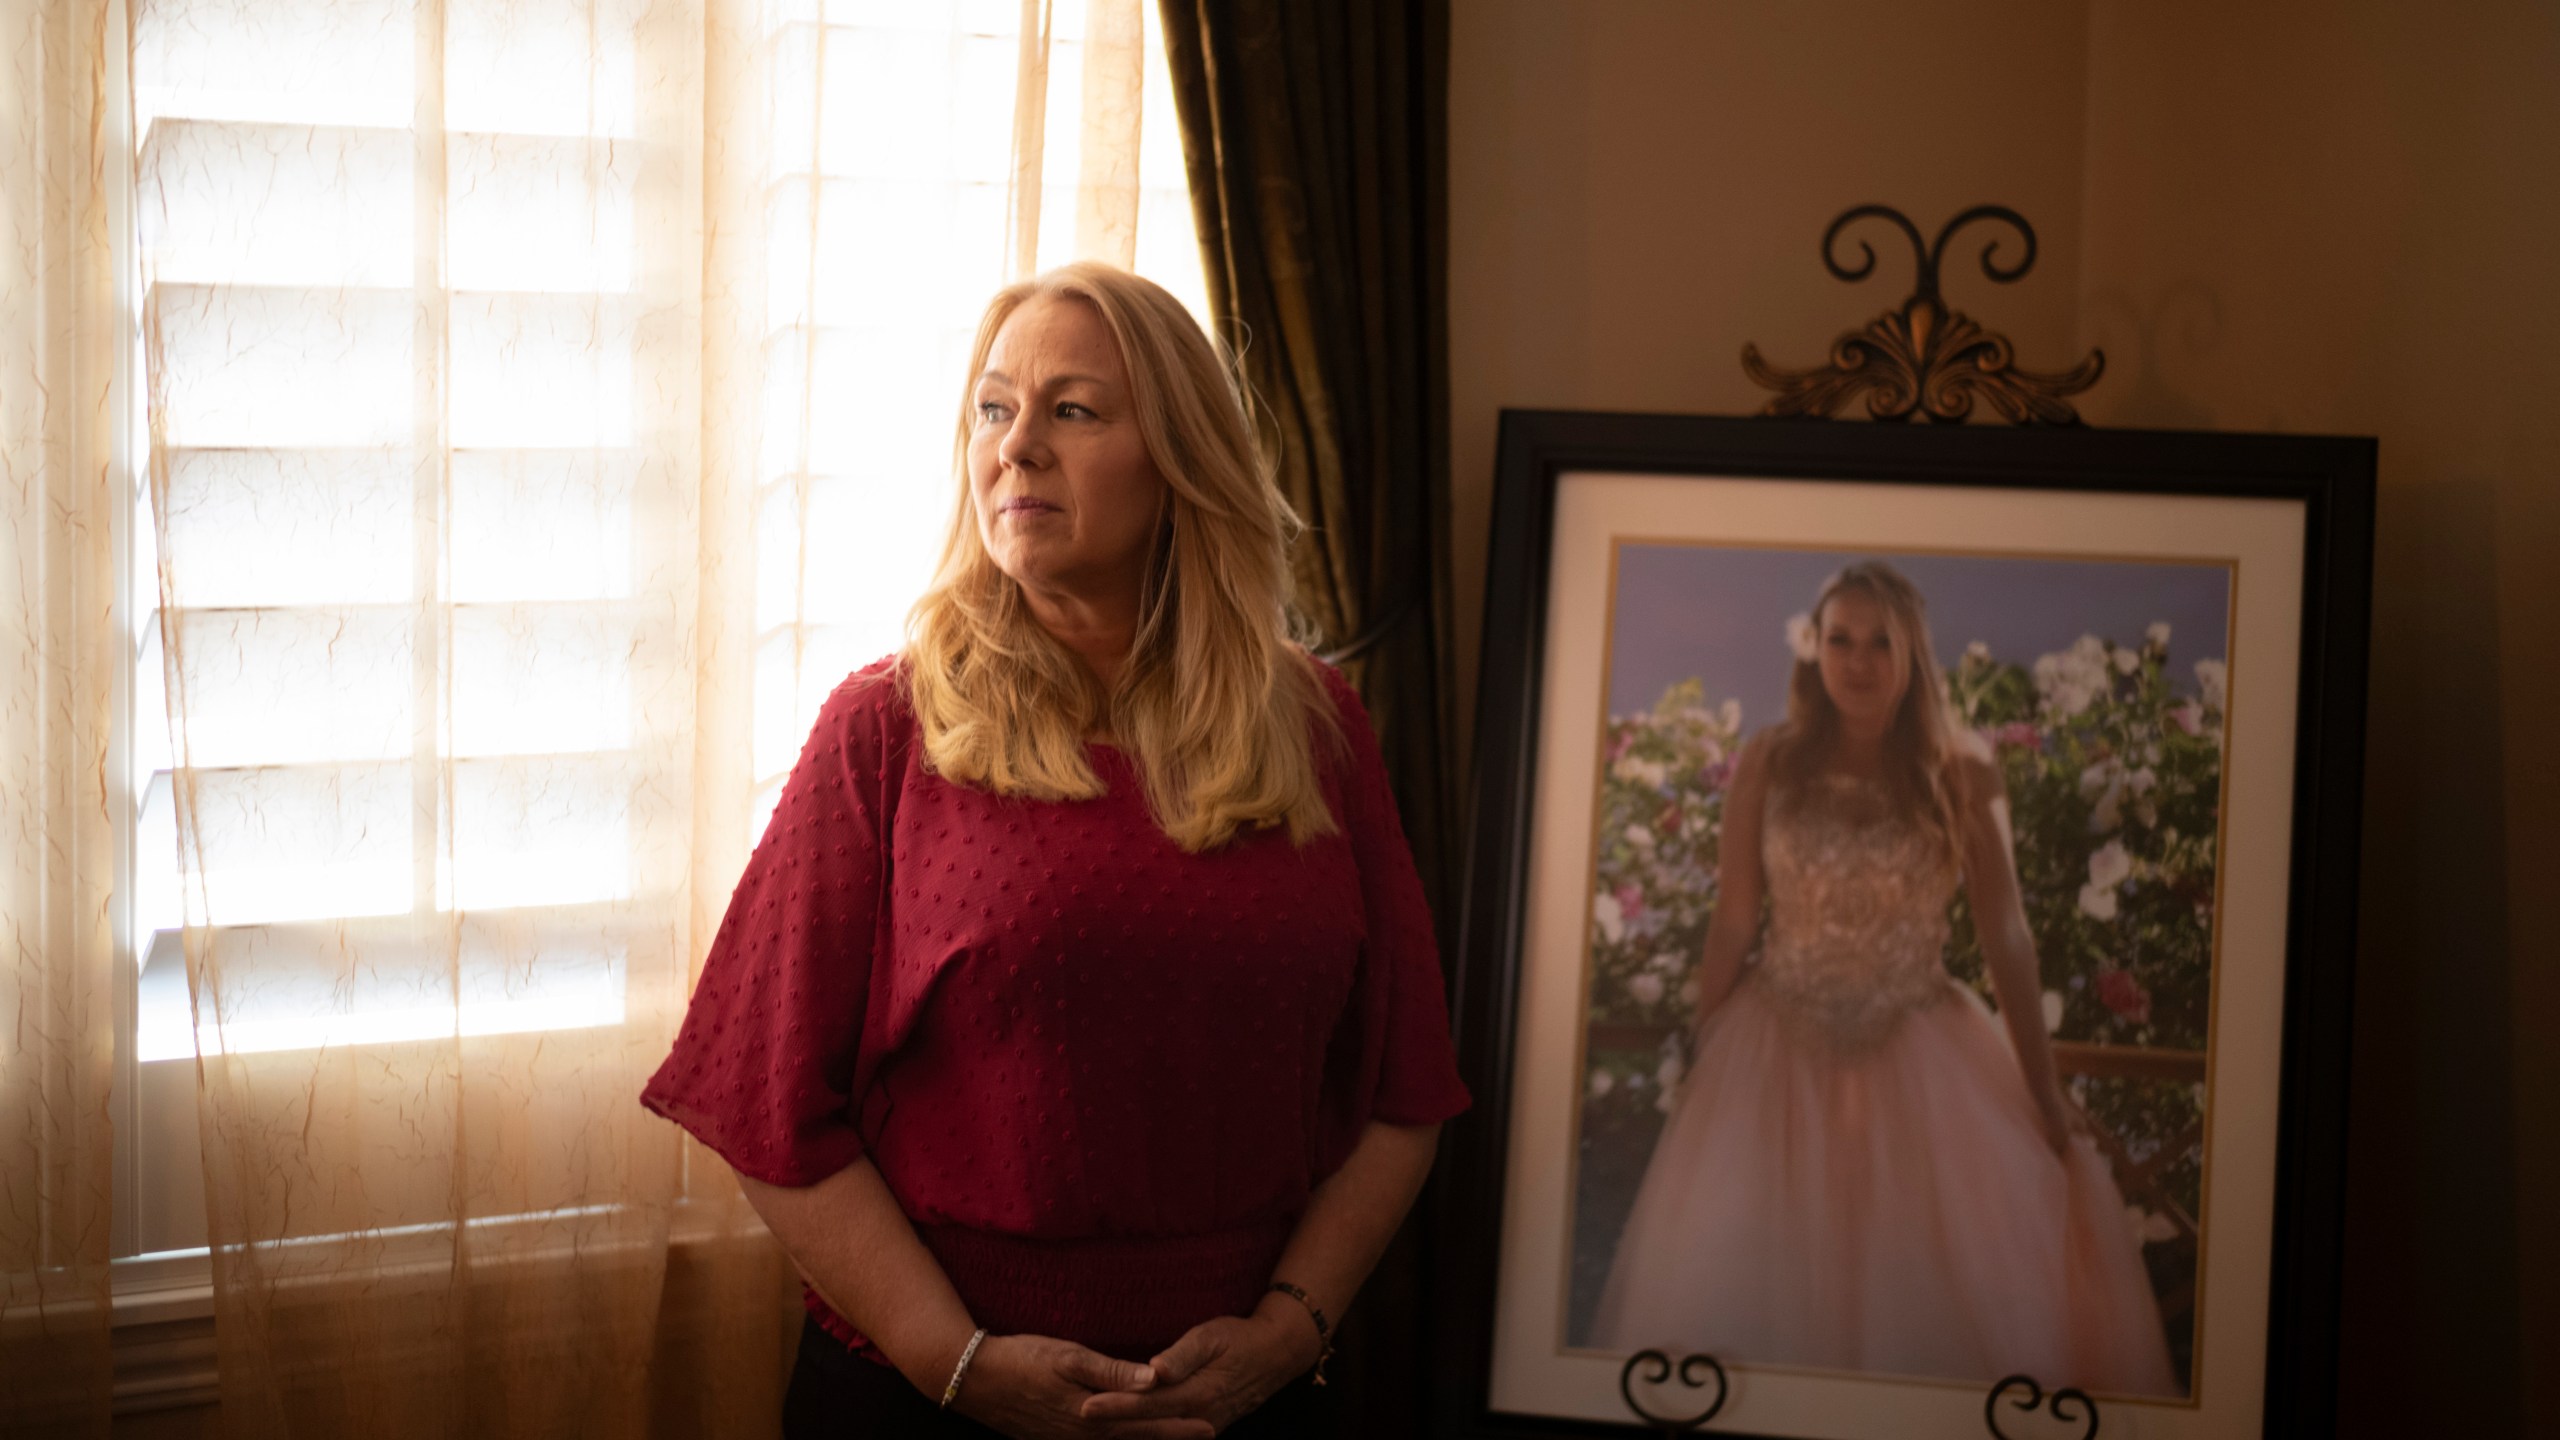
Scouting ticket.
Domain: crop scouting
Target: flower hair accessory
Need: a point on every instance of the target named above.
(1802, 638)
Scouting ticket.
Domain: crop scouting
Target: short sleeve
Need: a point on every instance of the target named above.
(1412, 1066)
(768, 1062)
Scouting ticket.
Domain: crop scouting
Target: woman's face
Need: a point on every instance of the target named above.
(1066, 496)
(1863, 669)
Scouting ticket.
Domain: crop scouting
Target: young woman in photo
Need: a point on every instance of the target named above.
(1861, 1171)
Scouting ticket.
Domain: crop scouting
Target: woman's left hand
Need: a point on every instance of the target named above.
(1221, 1371)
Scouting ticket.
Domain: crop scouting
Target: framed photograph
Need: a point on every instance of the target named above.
(1908, 935)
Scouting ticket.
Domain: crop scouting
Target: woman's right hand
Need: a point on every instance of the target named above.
(1032, 1387)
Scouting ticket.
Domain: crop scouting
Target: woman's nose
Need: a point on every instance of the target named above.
(1022, 446)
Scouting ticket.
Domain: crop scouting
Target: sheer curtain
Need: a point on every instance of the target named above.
(59, 673)
(543, 402)
(421, 325)
(903, 184)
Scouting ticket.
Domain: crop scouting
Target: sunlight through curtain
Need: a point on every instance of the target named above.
(58, 679)
(545, 403)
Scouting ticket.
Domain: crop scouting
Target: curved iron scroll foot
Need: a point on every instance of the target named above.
(1693, 1373)
(2067, 1404)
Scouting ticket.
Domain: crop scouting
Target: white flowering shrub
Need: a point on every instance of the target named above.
(2115, 790)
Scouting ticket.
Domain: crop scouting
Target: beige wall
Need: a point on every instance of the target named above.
(1637, 187)
(2363, 203)
(2274, 216)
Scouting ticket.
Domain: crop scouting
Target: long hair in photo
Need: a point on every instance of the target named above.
(1919, 744)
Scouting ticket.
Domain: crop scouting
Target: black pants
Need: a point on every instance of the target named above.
(838, 1395)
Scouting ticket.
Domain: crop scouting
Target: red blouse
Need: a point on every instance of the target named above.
(1100, 1075)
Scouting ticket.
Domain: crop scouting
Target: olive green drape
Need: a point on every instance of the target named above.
(1314, 132)
(1315, 136)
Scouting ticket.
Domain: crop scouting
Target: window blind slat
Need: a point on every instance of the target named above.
(261, 528)
(300, 842)
(310, 842)
(266, 687)
(266, 527)
(344, 62)
(548, 524)
(531, 371)
(338, 683)
(319, 206)
(882, 399)
(939, 239)
(945, 95)
(539, 679)
(864, 564)
(543, 69)
(542, 212)
(372, 979)
(508, 66)
(281, 205)
(797, 667)
(284, 367)
(276, 367)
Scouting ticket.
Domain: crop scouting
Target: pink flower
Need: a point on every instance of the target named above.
(2018, 735)
(1630, 900)
(1718, 775)
(2190, 717)
(2124, 995)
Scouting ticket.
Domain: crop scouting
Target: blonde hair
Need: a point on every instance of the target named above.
(1920, 744)
(1218, 704)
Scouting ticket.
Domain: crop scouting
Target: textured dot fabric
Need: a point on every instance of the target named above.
(1100, 1075)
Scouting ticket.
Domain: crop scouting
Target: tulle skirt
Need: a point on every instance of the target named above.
(1894, 1210)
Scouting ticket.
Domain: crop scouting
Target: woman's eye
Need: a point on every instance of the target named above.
(1070, 410)
(990, 410)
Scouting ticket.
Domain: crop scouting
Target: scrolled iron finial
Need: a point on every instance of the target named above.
(2066, 1404)
(1693, 1375)
(1920, 252)
(1922, 359)
(1990, 267)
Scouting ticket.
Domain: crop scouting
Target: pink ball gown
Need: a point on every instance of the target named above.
(1853, 1177)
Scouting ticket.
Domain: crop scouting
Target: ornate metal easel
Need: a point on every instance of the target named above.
(1920, 358)
(2066, 1404)
(1693, 1371)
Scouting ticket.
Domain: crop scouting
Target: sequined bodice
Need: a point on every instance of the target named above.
(1858, 911)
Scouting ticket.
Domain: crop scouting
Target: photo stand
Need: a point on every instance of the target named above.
(2066, 1404)
(2251, 925)
(1918, 359)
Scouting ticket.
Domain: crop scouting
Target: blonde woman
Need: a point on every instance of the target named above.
(1864, 1170)
(1077, 1025)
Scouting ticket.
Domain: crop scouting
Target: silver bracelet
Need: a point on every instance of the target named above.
(960, 1371)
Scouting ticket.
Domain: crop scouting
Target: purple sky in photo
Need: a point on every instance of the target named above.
(1720, 614)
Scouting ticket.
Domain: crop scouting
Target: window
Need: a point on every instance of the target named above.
(421, 386)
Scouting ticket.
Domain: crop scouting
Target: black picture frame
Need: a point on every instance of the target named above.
(2333, 479)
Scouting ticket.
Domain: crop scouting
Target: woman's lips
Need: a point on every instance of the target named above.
(1024, 505)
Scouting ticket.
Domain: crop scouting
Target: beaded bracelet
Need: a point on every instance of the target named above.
(1324, 1328)
(960, 1371)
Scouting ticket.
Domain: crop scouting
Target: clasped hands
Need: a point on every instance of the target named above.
(1032, 1387)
